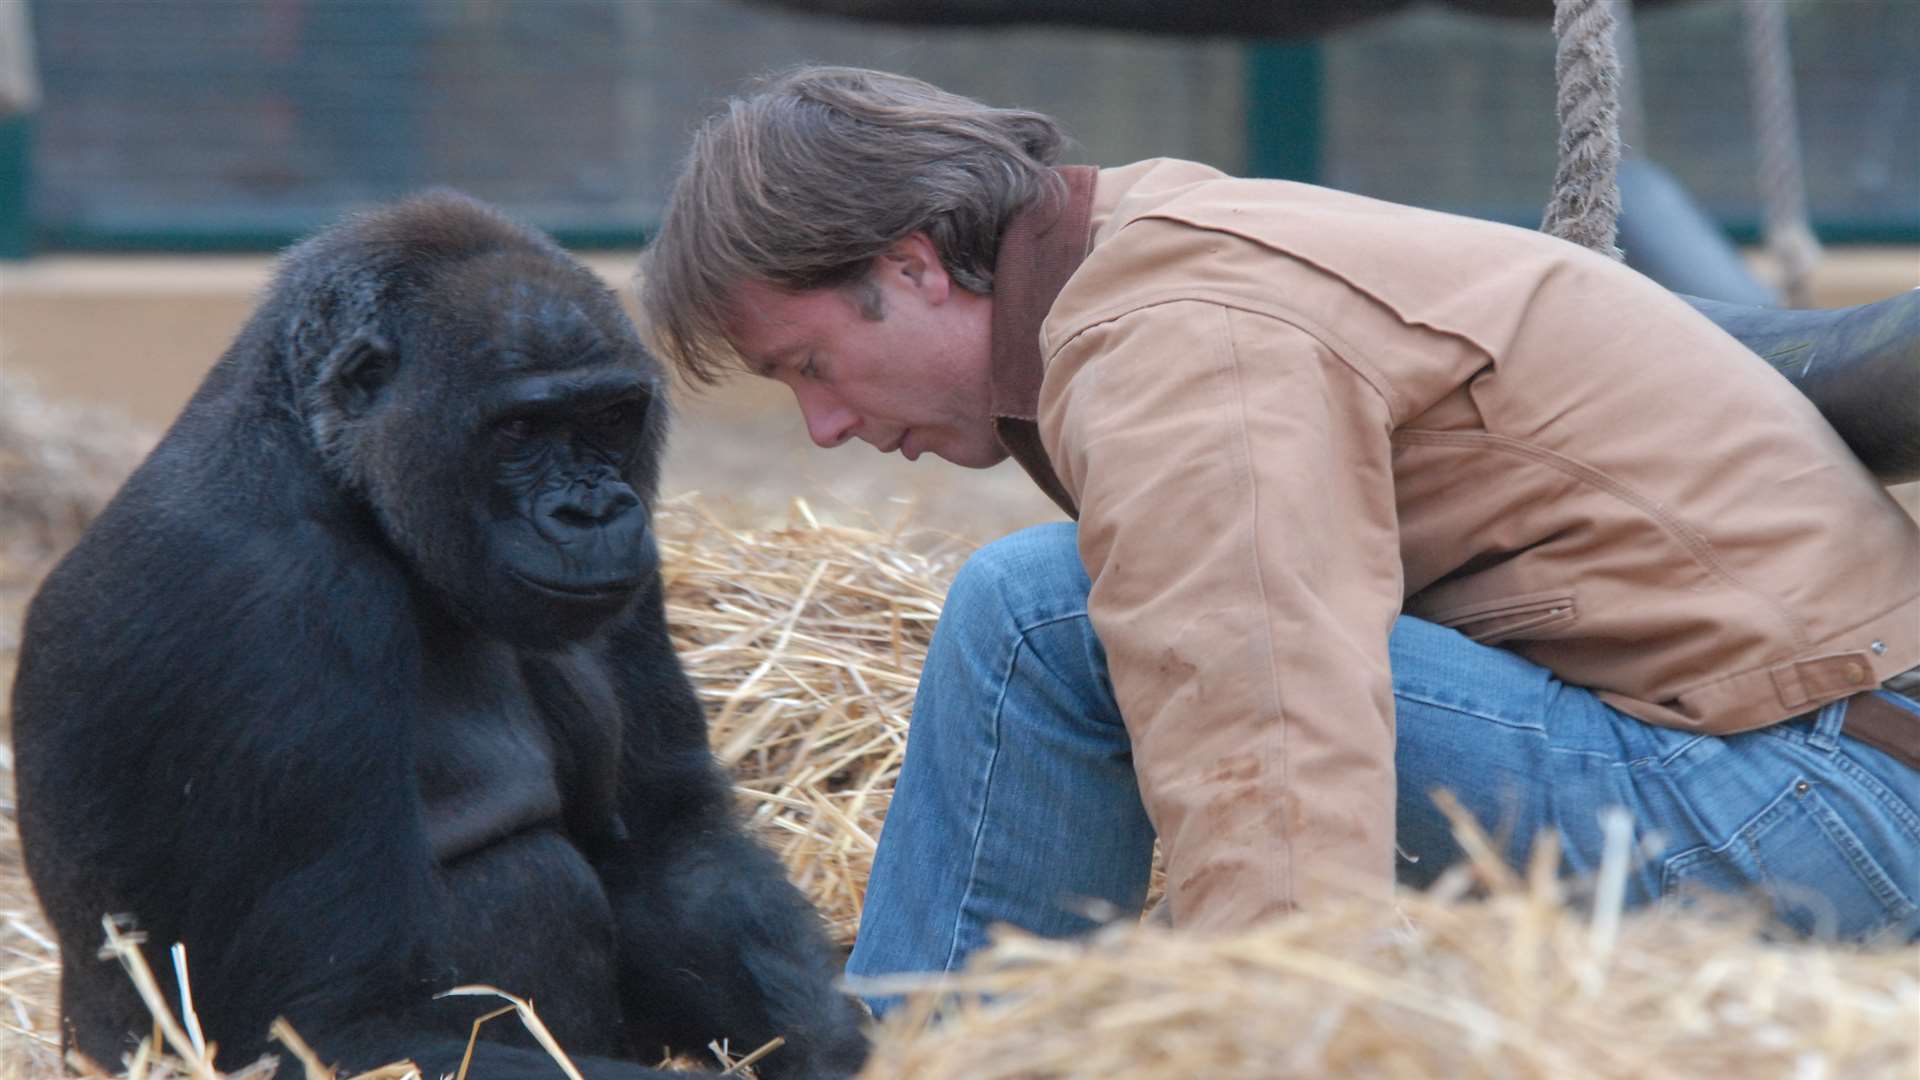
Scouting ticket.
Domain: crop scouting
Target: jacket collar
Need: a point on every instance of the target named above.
(1042, 246)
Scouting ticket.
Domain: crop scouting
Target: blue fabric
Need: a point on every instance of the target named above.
(1017, 801)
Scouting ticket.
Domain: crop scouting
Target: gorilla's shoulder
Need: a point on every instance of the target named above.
(232, 570)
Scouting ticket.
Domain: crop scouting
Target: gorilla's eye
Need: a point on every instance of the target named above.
(518, 427)
(612, 416)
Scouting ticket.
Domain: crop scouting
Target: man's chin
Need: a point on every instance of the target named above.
(975, 458)
(979, 454)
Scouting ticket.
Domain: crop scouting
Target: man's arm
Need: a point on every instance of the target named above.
(1235, 485)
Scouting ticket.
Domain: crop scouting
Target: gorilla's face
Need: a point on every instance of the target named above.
(567, 537)
(528, 514)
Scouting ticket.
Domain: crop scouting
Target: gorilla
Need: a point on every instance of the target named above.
(361, 688)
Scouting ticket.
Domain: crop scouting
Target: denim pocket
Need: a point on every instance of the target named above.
(1819, 878)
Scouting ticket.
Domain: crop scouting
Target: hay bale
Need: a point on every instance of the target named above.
(806, 642)
(1518, 985)
(59, 464)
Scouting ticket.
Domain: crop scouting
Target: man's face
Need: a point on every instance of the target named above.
(918, 379)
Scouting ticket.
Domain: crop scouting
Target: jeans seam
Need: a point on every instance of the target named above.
(1461, 710)
(986, 799)
(1581, 752)
(1667, 759)
(1024, 629)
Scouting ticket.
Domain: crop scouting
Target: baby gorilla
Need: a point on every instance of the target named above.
(361, 687)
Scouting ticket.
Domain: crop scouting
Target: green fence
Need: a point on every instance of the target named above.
(239, 124)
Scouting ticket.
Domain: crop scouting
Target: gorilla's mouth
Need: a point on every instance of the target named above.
(581, 590)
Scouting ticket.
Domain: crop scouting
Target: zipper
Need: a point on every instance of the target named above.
(1499, 620)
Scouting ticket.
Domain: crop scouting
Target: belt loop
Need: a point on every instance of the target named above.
(1825, 735)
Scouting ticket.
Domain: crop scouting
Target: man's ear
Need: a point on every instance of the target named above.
(914, 259)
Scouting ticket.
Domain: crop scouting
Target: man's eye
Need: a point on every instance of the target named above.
(810, 369)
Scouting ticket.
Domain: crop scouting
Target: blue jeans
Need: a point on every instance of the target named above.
(1017, 801)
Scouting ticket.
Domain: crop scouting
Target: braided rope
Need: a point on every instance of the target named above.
(19, 82)
(1585, 207)
(1783, 190)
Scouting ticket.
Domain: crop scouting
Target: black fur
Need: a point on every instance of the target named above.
(296, 699)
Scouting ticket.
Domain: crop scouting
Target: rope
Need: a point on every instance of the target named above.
(1783, 190)
(19, 82)
(1585, 207)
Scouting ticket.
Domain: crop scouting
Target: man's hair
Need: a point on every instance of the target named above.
(806, 179)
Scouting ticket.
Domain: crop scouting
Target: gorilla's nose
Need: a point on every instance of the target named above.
(585, 507)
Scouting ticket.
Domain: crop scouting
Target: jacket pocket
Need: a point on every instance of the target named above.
(1492, 621)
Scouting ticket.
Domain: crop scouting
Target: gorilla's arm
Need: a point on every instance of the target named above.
(716, 943)
(248, 800)
(240, 810)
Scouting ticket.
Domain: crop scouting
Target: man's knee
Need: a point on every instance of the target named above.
(1035, 572)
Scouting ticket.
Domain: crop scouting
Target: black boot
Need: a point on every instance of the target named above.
(1859, 365)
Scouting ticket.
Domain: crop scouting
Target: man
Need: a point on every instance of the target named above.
(1371, 501)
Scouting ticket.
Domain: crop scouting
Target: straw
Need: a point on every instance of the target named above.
(1499, 987)
(805, 640)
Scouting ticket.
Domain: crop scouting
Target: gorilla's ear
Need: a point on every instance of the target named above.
(355, 372)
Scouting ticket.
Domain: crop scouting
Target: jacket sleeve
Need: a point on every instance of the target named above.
(1235, 486)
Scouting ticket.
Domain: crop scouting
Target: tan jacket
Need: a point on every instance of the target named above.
(1285, 414)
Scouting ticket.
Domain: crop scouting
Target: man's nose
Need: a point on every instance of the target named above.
(829, 423)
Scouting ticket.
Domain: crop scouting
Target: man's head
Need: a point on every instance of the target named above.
(845, 224)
